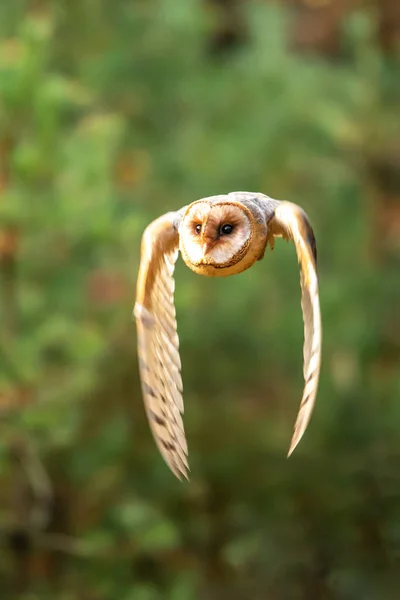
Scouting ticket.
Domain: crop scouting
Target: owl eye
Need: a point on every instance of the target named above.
(226, 229)
(198, 228)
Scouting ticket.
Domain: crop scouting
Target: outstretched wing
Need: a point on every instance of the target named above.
(158, 343)
(291, 222)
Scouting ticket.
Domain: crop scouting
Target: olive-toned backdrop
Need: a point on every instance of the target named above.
(111, 113)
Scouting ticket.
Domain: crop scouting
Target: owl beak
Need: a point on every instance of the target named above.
(207, 246)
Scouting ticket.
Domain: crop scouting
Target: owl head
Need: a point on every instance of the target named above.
(219, 237)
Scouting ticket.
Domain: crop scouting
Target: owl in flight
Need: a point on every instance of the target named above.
(217, 236)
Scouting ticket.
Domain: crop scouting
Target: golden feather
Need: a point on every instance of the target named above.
(158, 342)
(291, 222)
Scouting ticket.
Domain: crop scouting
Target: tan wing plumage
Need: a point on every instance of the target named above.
(291, 222)
(158, 343)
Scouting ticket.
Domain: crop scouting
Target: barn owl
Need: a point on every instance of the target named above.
(217, 236)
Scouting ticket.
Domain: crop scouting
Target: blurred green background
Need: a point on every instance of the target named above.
(112, 113)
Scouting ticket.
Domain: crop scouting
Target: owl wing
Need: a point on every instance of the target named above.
(158, 343)
(291, 222)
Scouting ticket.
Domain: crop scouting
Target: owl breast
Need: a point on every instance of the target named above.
(220, 239)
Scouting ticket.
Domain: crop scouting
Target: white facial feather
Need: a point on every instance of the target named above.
(213, 217)
(228, 245)
(194, 249)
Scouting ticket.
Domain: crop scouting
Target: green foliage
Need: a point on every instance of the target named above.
(110, 115)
